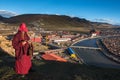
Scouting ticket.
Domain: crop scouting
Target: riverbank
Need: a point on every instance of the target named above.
(106, 52)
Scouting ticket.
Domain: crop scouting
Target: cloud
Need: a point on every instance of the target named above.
(104, 20)
(7, 14)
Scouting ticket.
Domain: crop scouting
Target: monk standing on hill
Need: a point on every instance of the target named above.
(21, 43)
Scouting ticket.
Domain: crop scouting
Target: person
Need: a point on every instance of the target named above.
(21, 43)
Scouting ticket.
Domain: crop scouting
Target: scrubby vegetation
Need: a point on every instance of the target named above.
(51, 70)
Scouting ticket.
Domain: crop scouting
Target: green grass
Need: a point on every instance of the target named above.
(52, 70)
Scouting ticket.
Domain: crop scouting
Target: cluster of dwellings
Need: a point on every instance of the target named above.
(58, 37)
(94, 33)
(55, 37)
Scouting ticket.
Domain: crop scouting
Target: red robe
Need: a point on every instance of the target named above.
(23, 61)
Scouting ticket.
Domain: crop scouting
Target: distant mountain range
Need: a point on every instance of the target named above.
(53, 21)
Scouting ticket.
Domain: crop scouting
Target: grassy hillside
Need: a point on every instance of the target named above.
(50, 70)
(51, 22)
(54, 22)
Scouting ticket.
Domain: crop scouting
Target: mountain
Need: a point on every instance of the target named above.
(102, 25)
(7, 14)
(1, 18)
(50, 21)
(55, 22)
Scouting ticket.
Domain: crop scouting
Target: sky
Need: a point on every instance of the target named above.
(93, 10)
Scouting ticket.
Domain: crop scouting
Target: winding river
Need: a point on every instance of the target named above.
(91, 56)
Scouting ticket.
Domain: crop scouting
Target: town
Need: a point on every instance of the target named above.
(55, 42)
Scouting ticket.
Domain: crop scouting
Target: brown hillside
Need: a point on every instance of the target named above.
(49, 20)
(55, 22)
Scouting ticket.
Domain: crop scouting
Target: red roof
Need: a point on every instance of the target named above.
(54, 57)
(37, 39)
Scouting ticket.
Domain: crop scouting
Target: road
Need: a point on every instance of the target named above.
(92, 56)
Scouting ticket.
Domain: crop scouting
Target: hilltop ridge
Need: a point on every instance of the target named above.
(55, 22)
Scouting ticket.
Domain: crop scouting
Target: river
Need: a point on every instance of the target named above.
(93, 56)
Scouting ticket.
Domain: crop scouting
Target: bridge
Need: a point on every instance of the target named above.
(85, 47)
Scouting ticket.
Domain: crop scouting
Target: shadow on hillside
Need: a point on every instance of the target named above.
(52, 70)
(6, 59)
(6, 66)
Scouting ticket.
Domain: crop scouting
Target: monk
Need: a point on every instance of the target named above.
(21, 43)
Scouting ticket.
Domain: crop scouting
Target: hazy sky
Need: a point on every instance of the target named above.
(94, 10)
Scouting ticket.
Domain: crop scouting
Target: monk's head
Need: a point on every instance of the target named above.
(23, 28)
